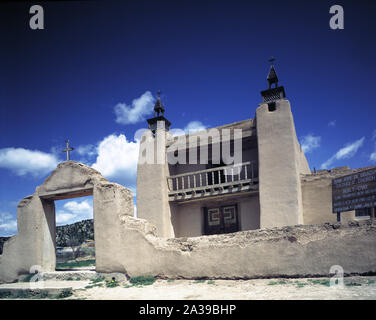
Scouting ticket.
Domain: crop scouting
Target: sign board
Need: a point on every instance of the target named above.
(354, 191)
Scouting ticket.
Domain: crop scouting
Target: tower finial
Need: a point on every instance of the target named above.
(271, 60)
(272, 76)
(158, 108)
(272, 94)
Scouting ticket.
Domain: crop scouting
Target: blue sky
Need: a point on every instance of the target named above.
(91, 76)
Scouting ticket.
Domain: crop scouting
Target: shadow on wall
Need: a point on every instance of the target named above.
(2, 241)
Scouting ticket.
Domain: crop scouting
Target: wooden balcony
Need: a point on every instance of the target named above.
(212, 182)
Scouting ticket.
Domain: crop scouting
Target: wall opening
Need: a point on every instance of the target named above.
(69, 244)
(74, 242)
(272, 106)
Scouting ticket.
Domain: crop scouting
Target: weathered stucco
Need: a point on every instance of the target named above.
(129, 245)
(280, 163)
(152, 189)
(34, 245)
(286, 251)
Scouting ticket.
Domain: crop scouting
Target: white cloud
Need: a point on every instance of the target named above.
(4, 216)
(8, 225)
(310, 142)
(346, 152)
(194, 126)
(22, 161)
(374, 135)
(140, 107)
(117, 160)
(63, 217)
(86, 153)
(332, 123)
(74, 211)
(86, 150)
(79, 208)
(372, 156)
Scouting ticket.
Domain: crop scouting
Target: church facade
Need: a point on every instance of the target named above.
(187, 185)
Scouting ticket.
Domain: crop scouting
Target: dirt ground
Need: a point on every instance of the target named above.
(354, 288)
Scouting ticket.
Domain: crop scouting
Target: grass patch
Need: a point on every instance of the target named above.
(273, 283)
(142, 280)
(98, 279)
(75, 264)
(170, 280)
(64, 294)
(371, 282)
(301, 284)
(353, 284)
(28, 277)
(324, 282)
(112, 283)
(199, 281)
(94, 285)
(34, 295)
(211, 282)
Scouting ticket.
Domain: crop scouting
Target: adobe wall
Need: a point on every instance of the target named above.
(317, 195)
(287, 251)
(34, 244)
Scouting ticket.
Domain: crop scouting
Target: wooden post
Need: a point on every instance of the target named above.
(372, 214)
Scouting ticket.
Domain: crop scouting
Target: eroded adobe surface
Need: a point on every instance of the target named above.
(34, 245)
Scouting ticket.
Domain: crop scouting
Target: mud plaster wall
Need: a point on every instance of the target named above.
(34, 244)
(287, 251)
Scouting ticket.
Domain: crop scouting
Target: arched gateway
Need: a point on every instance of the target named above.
(35, 243)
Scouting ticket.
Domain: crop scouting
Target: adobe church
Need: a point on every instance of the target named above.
(271, 186)
(194, 193)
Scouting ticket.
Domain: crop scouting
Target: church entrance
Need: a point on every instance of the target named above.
(221, 220)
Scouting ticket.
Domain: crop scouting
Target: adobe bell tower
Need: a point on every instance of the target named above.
(152, 172)
(281, 159)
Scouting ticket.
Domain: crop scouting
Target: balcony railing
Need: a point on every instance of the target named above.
(221, 180)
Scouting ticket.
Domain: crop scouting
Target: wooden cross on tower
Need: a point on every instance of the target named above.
(67, 149)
